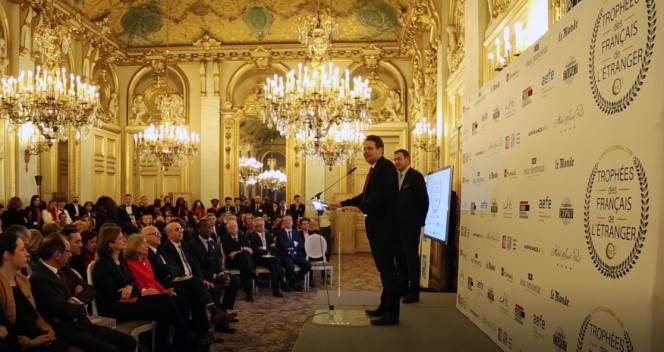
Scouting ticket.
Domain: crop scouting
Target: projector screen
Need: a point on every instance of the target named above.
(439, 189)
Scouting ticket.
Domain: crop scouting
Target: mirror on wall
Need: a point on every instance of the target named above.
(260, 142)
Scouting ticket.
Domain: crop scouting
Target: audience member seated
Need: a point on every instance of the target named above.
(29, 331)
(14, 215)
(33, 213)
(192, 289)
(89, 239)
(181, 257)
(239, 254)
(61, 296)
(265, 251)
(290, 250)
(119, 297)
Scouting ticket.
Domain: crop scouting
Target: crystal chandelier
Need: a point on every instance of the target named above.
(57, 104)
(170, 141)
(272, 179)
(316, 103)
(249, 169)
(341, 143)
(424, 136)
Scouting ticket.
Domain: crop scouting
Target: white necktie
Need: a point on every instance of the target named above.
(263, 240)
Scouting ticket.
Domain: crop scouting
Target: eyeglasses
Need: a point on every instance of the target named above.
(158, 234)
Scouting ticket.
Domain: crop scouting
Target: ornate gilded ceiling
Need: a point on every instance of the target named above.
(142, 23)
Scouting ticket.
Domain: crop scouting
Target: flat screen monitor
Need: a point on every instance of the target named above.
(439, 189)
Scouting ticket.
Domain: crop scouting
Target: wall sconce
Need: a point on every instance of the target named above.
(425, 137)
(504, 57)
(36, 142)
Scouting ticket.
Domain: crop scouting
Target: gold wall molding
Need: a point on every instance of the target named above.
(456, 32)
(497, 7)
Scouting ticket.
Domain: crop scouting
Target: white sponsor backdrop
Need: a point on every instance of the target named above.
(562, 186)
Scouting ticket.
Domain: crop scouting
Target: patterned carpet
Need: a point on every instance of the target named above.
(271, 324)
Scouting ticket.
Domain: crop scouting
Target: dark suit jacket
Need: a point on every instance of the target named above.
(256, 242)
(297, 211)
(208, 262)
(51, 296)
(124, 216)
(238, 210)
(262, 209)
(71, 209)
(108, 278)
(173, 258)
(413, 200)
(287, 247)
(230, 245)
(378, 203)
(14, 217)
(144, 209)
(163, 272)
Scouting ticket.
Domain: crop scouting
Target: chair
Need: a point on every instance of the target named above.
(133, 327)
(259, 269)
(315, 247)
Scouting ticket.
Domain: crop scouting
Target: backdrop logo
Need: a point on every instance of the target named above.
(494, 203)
(495, 145)
(509, 243)
(504, 338)
(547, 82)
(494, 239)
(622, 58)
(507, 173)
(533, 248)
(539, 325)
(566, 120)
(566, 211)
(504, 304)
(471, 283)
(526, 94)
(474, 128)
(571, 69)
(510, 107)
(540, 51)
(490, 266)
(559, 297)
(559, 340)
(467, 157)
(495, 86)
(507, 206)
(524, 209)
(519, 313)
(465, 231)
(530, 285)
(534, 169)
(537, 130)
(512, 140)
(567, 30)
(461, 301)
(566, 256)
(603, 330)
(564, 163)
(507, 275)
(496, 113)
(614, 223)
(476, 260)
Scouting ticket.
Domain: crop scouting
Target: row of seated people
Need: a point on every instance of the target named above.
(122, 293)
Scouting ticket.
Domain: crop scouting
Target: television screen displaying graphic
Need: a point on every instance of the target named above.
(439, 189)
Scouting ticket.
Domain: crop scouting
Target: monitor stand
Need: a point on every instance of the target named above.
(341, 318)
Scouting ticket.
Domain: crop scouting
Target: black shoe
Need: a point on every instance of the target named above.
(374, 312)
(386, 319)
(411, 299)
(224, 328)
(277, 293)
(286, 288)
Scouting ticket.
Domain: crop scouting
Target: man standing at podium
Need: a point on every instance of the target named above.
(377, 202)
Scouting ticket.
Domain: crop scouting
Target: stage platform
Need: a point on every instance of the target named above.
(433, 324)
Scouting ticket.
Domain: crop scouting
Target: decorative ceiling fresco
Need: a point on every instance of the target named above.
(142, 23)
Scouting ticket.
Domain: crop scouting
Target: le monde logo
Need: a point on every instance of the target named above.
(621, 49)
(616, 211)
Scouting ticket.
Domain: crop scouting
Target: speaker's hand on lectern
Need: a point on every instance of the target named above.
(334, 206)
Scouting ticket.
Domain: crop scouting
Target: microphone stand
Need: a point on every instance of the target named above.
(317, 195)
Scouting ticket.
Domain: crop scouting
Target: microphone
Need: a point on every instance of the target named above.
(317, 195)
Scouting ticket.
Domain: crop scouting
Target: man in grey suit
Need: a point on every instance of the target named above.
(412, 210)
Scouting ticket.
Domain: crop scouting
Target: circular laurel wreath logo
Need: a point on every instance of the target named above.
(613, 107)
(620, 270)
(582, 333)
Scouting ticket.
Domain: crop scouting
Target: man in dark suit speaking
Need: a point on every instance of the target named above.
(412, 211)
(376, 202)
